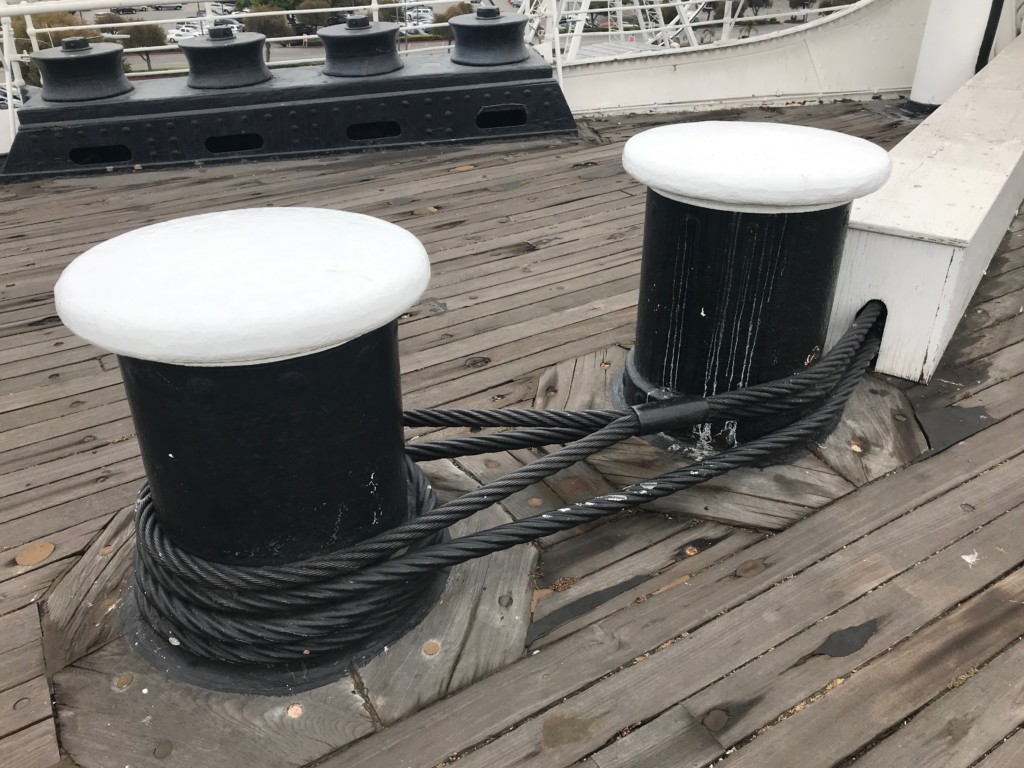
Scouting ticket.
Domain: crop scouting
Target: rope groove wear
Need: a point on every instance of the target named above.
(294, 611)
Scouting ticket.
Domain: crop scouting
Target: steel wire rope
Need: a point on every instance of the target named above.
(301, 616)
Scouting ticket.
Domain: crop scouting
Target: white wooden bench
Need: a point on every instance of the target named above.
(923, 241)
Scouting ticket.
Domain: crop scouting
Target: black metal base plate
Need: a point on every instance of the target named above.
(262, 679)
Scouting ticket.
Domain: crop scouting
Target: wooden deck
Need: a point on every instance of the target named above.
(855, 605)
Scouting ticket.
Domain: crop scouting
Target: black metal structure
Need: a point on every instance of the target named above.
(299, 111)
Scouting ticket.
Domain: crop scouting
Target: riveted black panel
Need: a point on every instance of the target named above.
(300, 111)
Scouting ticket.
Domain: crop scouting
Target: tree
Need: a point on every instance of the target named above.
(271, 26)
(834, 3)
(796, 5)
(445, 33)
(313, 19)
(756, 6)
(145, 36)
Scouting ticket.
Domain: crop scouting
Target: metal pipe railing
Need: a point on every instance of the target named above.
(558, 28)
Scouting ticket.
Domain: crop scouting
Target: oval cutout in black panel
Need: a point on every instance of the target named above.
(105, 155)
(384, 129)
(501, 116)
(235, 142)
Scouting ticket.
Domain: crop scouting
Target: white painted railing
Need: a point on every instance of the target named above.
(564, 30)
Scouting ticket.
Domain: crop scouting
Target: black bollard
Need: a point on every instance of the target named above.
(223, 59)
(743, 239)
(489, 38)
(360, 48)
(260, 359)
(80, 71)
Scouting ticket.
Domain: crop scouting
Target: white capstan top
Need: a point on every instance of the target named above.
(242, 287)
(755, 167)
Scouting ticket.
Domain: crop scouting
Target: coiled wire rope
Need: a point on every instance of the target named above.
(340, 600)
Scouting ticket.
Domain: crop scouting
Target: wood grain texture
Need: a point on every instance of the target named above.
(447, 645)
(630, 579)
(688, 659)
(673, 740)
(30, 587)
(877, 434)
(80, 613)
(887, 691)
(963, 725)
(24, 705)
(21, 652)
(33, 747)
(754, 696)
(118, 711)
(1009, 754)
(430, 736)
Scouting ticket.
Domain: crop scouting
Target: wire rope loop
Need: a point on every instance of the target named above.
(287, 612)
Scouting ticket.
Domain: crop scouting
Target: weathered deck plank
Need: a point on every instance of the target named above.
(535, 248)
(33, 747)
(131, 714)
(896, 685)
(1006, 755)
(963, 725)
(457, 723)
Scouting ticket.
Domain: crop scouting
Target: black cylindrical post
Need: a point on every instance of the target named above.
(742, 245)
(260, 358)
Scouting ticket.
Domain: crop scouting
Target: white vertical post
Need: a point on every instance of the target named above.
(33, 36)
(9, 52)
(374, 11)
(556, 42)
(727, 21)
(949, 50)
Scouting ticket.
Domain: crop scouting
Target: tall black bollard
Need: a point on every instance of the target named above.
(743, 238)
(259, 354)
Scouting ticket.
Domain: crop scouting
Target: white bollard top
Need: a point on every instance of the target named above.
(755, 167)
(242, 287)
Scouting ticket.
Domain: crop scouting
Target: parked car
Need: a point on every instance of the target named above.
(130, 9)
(420, 13)
(236, 26)
(17, 98)
(299, 26)
(176, 35)
(170, 7)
